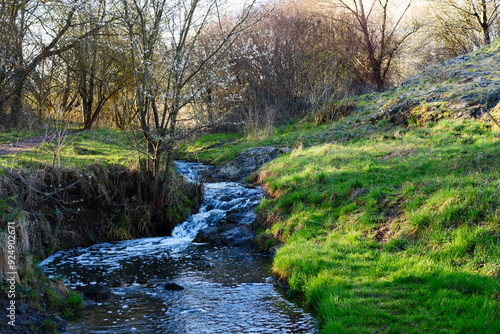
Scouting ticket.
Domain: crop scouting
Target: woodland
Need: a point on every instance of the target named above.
(383, 213)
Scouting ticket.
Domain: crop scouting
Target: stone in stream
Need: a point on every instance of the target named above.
(226, 234)
(246, 163)
(241, 217)
(209, 236)
(236, 235)
(97, 292)
(171, 286)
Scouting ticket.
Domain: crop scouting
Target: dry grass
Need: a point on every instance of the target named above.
(74, 207)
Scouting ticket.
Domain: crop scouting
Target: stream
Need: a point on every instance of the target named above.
(226, 289)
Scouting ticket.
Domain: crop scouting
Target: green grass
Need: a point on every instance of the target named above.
(386, 225)
(399, 230)
(219, 148)
(99, 146)
(73, 303)
(13, 136)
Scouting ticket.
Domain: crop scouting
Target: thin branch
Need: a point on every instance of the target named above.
(497, 301)
(380, 330)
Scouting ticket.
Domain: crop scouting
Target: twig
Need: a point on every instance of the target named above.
(380, 330)
(494, 120)
(494, 310)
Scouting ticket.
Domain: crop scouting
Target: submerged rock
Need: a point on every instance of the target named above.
(171, 286)
(97, 292)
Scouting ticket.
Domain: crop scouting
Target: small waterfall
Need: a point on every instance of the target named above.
(227, 289)
(219, 199)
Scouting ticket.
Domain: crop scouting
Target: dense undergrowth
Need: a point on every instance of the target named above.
(387, 223)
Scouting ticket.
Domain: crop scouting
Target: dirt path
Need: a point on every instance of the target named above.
(25, 144)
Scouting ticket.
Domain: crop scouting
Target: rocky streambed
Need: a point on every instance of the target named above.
(174, 285)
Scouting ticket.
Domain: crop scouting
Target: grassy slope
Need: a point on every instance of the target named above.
(388, 225)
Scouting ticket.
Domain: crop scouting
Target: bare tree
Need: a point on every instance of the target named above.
(162, 37)
(17, 63)
(445, 35)
(377, 35)
(483, 12)
(15, 19)
(285, 66)
(96, 63)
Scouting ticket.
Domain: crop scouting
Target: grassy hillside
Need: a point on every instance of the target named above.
(390, 217)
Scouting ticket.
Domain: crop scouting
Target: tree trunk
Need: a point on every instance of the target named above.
(486, 35)
(16, 107)
(210, 112)
(485, 24)
(377, 77)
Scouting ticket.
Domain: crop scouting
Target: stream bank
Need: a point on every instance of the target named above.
(54, 209)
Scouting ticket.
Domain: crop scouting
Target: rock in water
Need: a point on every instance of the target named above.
(247, 162)
(171, 286)
(234, 235)
(241, 217)
(209, 236)
(97, 292)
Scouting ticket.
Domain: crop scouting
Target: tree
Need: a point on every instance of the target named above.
(376, 35)
(162, 39)
(483, 12)
(444, 36)
(283, 67)
(18, 17)
(15, 19)
(96, 63)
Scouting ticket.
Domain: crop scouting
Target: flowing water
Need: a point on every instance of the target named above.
(227, 290)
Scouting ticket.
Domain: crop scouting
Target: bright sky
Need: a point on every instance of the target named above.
(397, 5)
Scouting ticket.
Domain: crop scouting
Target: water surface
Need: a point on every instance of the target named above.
(227, 290)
